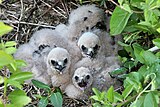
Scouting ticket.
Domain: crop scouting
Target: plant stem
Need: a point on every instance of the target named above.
(146, 86)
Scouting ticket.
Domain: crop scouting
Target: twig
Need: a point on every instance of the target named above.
(26, 23)
(155, 48)
(53, 8)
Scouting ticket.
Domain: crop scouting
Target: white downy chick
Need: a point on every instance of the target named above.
(58, 67)
(46, 39)
(80, 84)
(85, 18)
(34, 63)
(89, 44)
(103, 80)
(25, 52)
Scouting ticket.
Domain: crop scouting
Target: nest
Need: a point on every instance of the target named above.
(28, 16)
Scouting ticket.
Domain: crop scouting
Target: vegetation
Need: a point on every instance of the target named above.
(138, 20)
(15, 77)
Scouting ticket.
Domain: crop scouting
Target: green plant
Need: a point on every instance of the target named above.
(16, 98)
(136, 21)
(54, 97)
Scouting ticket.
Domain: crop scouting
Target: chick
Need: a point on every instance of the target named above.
(25, 52)
(80, 84)
(34, 63)
(58, 67)
(47, 38)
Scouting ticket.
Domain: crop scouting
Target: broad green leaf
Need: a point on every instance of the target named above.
(19, 98)
(15, 83)
(157, 42)
(10, 50)
(127, 91)
(20, 76)
(4, 29)
(120, 2)
(110, 95)
(149, 101)
(94, 97)
(96, 92)
(20, 63)
(118, 20)
(118, 96)
(43, 102)
(96, 104)
(5, 58)
(10, 44)
(149, 57)
(56, 99)
(127, 8)
(41, 85)
(158, 30)
(137, 51)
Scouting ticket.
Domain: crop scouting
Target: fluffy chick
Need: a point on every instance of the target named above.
(85, 18)
(89, 43)
(101, 66)
(46, 38)
(25, 52)
(58, 67)
(80, 84)
(34, 63)
(103, 80)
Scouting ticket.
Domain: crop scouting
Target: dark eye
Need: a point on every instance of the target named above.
(83, 47)
(65, 61)
(88, 77)
(54, 63)
(76, 78)
(96, 47)
(85, 18)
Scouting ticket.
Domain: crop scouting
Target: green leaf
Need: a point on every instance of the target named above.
(94, 97)
(158, 30)
(56, 99)
(20, 76)
(96, 104)
(149, 57)
(149, 101)
(43, 102)
(157, 42)
(10, 50)
(10, 44)
(118, 20)
(19, 98)
(5, 58)
(127, 91)
(4, 29)
(41, 85)
(118, 96)
(110, 95)
(96, 92)
(137, 51)
(127, 8)
(15, 83)
(120, 2)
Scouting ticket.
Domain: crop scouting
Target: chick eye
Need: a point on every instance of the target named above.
(65, 61)
(96, 47)
(88, 77)
(54, 63)
(76, 78)
(83, 48)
